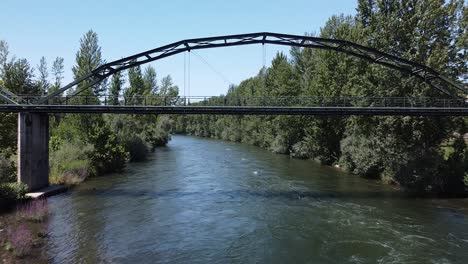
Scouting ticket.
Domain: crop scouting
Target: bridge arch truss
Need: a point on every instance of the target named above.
(422, 72)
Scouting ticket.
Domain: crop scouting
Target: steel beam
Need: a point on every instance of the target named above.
(6, 97)
(240, 110)
(66, 87)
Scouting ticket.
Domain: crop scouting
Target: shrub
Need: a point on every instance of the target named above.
(108, 154)
(465, 180)
(159, 135)
(301, 150)
(280, 145)
(422, 174)
(141, 134)
(455, 168)
(70, 163)
(137, 148)
(360, 155)
(12, 191)
(7, 169)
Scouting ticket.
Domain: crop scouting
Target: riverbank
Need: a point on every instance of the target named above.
(23, 232)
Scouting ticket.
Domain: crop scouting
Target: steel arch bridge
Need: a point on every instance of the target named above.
(33, 119)
(450, 88)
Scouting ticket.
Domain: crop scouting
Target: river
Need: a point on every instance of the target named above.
(208, 201)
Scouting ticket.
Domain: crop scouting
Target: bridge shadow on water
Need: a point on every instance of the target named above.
(248, 194)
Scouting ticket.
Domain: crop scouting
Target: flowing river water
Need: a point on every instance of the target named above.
(208, 201)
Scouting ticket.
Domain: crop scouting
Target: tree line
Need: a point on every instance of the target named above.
(426, 155)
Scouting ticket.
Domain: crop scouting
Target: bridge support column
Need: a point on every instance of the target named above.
(33, 150)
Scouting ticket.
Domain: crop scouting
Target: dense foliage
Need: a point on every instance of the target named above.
(404, 150)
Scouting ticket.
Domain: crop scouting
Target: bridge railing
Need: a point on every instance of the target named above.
(279, 101)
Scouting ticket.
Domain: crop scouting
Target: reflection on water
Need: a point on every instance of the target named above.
(207, 201)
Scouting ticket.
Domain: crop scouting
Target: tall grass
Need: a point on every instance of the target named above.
(70, 163)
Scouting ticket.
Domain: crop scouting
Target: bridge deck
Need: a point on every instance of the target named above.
(239, 110)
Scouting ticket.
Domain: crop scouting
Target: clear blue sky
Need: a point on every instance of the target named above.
(53, 28)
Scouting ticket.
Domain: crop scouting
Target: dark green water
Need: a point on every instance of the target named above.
(208, 201)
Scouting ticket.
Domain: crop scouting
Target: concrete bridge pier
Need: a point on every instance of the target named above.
(33, 149)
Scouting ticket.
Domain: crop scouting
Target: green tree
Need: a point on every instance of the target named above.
(281, 79)
(365, 12)
(108, 155)
(421, 31)
(456, 168)
(4, 52)
(57, 72)
(43, 81)
(8, 120)
(136, 89)
(326, 74)
(18, 77)
(150, 81)
(115, 89)
(169, 90)
(137, 84)
(88, 58)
